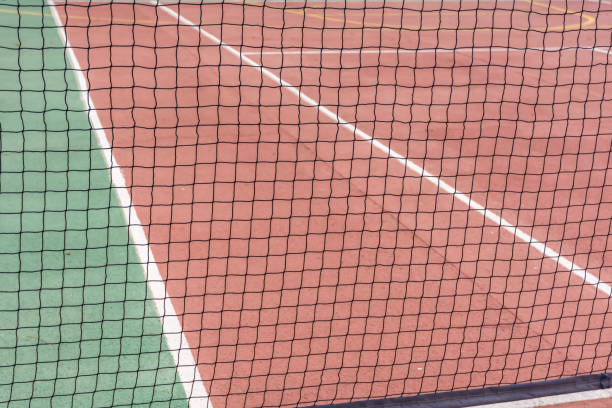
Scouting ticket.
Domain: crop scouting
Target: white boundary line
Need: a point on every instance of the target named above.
(171, 327)
(553, 399)
(419, 51)
(603, 50)
(440, 184)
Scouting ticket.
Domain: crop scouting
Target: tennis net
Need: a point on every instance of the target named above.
(301, 203)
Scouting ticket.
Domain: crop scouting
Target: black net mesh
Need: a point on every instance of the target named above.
(299, 203)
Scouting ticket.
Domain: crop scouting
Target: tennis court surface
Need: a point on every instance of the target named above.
(263, 204)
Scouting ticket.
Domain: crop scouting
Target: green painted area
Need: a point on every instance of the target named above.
(76, 328)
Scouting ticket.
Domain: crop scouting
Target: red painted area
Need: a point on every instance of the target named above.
(310, 268)
(602, 403)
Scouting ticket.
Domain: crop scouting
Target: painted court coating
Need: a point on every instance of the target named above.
(306, 265)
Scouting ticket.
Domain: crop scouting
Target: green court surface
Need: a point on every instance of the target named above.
(76, 328)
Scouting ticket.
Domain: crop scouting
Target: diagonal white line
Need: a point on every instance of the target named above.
(372, 51)
(171, 326)
(336, 51)
(440, 184)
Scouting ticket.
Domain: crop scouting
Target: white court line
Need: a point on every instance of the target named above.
(407, 51)
(171, 326)
(553, 399)
(603, 50)
(502, 222)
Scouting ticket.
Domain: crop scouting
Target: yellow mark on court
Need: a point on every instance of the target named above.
(586, 19)
(24, 12)
(589, 19)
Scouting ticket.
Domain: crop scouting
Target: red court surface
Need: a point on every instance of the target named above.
(604, 403)
(309, 267)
